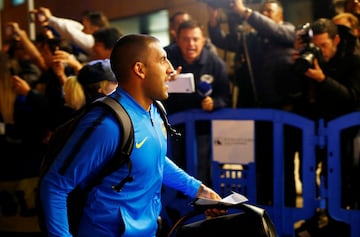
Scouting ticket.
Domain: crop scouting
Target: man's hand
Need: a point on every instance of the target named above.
(175, 73)
(43, 15)
(207, 104)
(205, 192)
(238, 6)
(214, 16)
(316, 73)
(20, 86)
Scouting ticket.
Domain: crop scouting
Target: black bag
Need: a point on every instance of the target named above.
(247, 221)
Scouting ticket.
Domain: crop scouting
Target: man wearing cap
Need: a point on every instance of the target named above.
(94, 80)
(97, 79)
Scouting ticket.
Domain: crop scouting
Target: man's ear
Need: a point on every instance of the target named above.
(337, 39)
(139, 69)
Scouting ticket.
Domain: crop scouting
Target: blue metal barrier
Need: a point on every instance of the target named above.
(283, 217)
(351, 216)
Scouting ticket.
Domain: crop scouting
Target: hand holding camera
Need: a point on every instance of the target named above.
(308, 51)
(315, 72)
(40, 15)
(13, 30)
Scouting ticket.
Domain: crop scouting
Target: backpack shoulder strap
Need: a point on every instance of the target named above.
(126, 125)
(163, 115)
(123, 152)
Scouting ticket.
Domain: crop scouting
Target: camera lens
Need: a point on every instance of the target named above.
(304, 62)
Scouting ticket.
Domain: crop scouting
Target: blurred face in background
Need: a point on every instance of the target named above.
(327, 45)
(191, 42)
(273, 11)
(100, 51)
(353, 6)
(178, 19)
(88, 27)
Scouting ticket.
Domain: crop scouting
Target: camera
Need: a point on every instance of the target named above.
(9, 30)
(233, 19)
(309, 52)
(40, 17)
(225, 4)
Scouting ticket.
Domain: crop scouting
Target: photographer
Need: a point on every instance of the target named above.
(263, 65)
(262, 54)
(331, 88)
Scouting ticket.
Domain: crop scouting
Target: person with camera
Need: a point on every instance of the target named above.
(332, 79)
(330, 85)
(263, 59)
(78, 34)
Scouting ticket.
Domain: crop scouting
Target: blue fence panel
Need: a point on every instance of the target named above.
(283, 217)
(351, 216)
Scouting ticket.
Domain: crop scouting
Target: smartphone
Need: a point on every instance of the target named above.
(40, 17)
(9, 31)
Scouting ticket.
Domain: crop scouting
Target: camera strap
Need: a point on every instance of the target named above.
(250, 69)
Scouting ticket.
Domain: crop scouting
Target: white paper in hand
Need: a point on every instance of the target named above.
(184, 83)
(232, 199)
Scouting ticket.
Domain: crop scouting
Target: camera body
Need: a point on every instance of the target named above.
(309, 52)
(40, 17)
(233, 19)
(9, 30)
(225, 4)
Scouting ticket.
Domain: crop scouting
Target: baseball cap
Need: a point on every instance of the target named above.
(96, 71)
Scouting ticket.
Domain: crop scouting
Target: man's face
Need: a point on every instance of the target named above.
(100, 52)
(157, 72)
(190, 42)
(88, 27)
(353, 6)
(273, 11)
(327, 45)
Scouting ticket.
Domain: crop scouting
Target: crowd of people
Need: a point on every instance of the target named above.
(312, 70)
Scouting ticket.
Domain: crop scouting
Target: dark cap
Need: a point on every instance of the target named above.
(96, 71)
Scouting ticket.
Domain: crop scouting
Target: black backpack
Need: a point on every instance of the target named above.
(76, 198)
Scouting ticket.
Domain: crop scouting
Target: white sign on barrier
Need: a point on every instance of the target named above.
(233, 141)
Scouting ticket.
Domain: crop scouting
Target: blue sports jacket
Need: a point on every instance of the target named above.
(134, 210)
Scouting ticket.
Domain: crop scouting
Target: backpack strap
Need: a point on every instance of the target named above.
(123, 151)
(122, 154)
(163, 115)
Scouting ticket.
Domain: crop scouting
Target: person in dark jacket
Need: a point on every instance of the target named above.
(263, 66)
(331, 88)
(210, 72)
(263, 53)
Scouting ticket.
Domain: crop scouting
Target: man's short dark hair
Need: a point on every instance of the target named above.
(129, 49)
(190, 24)
(96, 18)
(324, 25)
(178, 13)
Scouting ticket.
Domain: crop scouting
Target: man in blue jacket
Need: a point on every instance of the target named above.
(142, 69)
